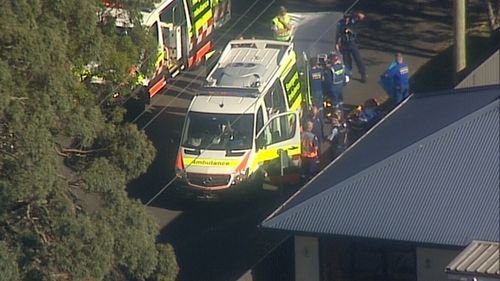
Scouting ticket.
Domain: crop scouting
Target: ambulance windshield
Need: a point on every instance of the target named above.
(218, 131)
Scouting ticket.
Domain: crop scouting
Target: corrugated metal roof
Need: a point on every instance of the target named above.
(442, 189)
(480, 257)
(488, 73)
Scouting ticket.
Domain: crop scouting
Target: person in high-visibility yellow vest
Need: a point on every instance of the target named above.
(282, 25)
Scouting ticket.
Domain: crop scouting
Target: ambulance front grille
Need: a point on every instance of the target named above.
(208, 180)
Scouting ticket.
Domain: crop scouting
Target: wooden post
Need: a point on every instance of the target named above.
(459, 28)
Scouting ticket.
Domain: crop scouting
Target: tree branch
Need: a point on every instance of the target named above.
(75, 183)
(61, 151)
(35, 226)
(61, 276)
(80, 151)
(18, 98)
(58, 151)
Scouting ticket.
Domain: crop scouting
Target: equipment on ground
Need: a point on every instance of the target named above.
(363, 117)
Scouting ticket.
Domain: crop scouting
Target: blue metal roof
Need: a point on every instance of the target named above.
(429, 173)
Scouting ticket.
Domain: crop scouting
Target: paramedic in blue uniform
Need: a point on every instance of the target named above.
(316, 78)
(335, 79)
(347, 43)
(400, 79)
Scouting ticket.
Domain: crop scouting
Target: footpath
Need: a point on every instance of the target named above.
(421, 30)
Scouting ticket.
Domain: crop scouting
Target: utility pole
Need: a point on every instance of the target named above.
(459, 7)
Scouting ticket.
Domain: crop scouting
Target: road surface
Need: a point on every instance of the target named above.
(221, 241)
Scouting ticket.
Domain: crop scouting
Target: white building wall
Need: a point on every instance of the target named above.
(306, 258)
(432, 262)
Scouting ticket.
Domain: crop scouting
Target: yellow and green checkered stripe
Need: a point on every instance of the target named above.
(201, 13)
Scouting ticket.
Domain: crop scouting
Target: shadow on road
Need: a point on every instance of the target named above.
(164, 133)
(208, 237)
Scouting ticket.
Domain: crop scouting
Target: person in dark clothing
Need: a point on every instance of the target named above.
(316, 81)
(335, 79)
(338, 135)
(347, 43)
(318, 121)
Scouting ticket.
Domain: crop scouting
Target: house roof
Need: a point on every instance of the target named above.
(488, 73)
(480, 257)
(414, 177)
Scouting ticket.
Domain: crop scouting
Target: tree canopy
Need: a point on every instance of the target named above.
(66, 154)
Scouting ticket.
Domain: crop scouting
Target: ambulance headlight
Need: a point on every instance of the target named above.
(180, 174)
(241, 176)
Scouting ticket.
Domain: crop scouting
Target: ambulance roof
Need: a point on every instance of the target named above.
(249, 64)
(223, 104)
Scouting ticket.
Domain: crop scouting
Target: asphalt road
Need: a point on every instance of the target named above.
(221, 241)
(212, 240)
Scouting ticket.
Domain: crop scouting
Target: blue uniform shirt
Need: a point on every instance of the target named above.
(328, 76)
(318, 127)
(338, 74)
(317, 86)
(334, 75)
(400, 75)
(316, 78)
(342, 24)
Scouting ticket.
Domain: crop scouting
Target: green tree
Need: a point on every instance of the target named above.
(65, 154)
(167, 267)
(8, 266)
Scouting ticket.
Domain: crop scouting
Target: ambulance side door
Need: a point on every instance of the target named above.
(281, 132)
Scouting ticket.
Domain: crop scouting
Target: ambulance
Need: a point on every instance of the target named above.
(243, 126)
(183, 30)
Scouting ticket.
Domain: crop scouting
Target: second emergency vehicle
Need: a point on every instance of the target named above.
(183, 30)
(243, 119)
